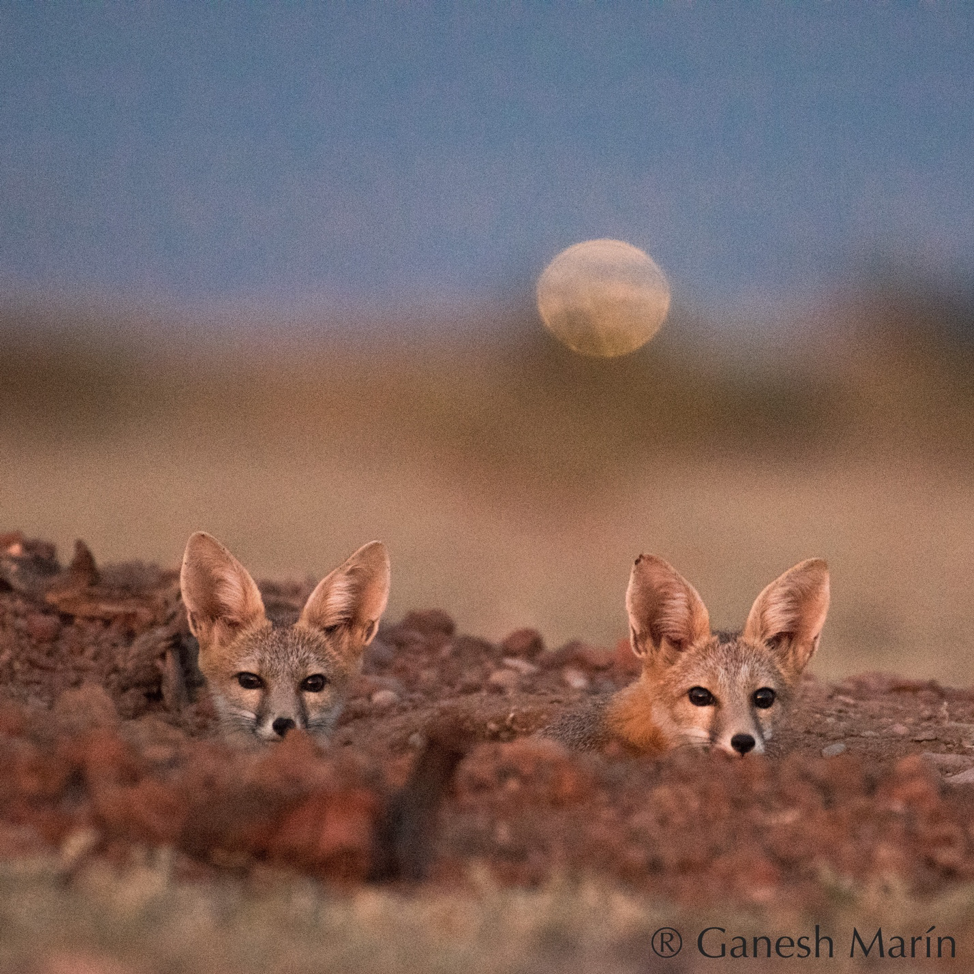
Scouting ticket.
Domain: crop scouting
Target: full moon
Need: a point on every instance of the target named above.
(603, 298)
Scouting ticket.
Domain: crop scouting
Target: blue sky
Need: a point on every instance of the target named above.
(395, 154)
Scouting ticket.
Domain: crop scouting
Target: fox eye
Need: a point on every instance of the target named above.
(250, 681)
(314, 683)
(701, 697)
(764, 697)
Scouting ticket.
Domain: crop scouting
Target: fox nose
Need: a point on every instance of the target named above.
(282, 725)
(742, 743)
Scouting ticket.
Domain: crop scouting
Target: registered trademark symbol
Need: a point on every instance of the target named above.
(667, 942)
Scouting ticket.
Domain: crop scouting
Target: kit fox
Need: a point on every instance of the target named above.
(269, 675)
(699, 688)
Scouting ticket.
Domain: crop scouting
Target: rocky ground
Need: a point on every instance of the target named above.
(109, 748)
(108, 743)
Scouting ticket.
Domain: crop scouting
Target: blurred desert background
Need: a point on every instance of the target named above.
(514, 481)
(269, 272)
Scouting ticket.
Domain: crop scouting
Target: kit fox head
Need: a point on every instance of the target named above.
(269, 675)
(720, 690)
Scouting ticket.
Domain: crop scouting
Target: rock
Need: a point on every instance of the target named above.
(575, 678)
(83, 569)
(399, 638)
(579, 654)
(430, 622)
(428, 678)
(383, 699)
(899, 729)
(471, 647)
(833, 750)
(378, 655)
(328, 826)
(12, 543)
(42, 628)
(83, 707)
(523, 642)
(354, 709)
(948, 762)
(956, 732)
(77, 845)
(521, 666)
(959, 728)
(366, 684)
(27, 567)
(595, 657)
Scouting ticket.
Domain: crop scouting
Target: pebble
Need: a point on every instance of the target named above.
(899, 729)
(383, 699)
(416, 741)
(833, 749)
(368, 683)
(576, 679)
(77, 845)
(521, 666)
(43, 628)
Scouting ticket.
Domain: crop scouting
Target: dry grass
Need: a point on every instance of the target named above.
(140, 918)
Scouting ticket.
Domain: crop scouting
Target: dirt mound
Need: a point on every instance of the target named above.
(107, 740)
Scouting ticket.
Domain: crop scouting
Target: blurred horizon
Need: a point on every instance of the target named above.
(898, 293)
(515, 481)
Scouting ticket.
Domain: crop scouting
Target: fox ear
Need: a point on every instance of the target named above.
(665, 611)
(353, 597)
(219, 594)
(790, 613)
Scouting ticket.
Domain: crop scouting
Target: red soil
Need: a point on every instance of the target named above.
(108, 743)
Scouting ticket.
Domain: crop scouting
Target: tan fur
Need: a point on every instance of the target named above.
(353, 595)
(791, 611)
(670, 632)
(288, 658)
(664, 608)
